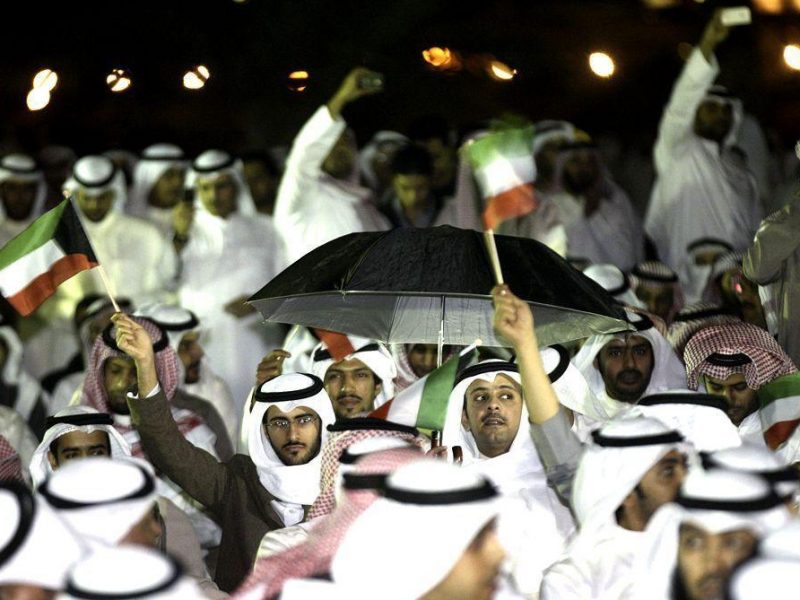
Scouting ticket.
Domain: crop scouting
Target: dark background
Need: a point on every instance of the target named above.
(250, 47)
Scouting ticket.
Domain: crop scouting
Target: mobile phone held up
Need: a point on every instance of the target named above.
(736, 15)
(371, 82)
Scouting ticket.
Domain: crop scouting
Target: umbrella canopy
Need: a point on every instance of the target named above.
(432, 285)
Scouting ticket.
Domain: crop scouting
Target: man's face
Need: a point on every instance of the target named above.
(263, 185)
(218, 194)
(95, 207)
(295, 436)
(23, 591)
(659, 485)
(475, 575)
(546, 160)
(713, 120)
(741, 401)
(191, 354)
(119, 378)
(341, 159)
(581, 171)
(626, 365)
(422, 358)
(707, 560)
(492, 411)
(412, 190)
(168, 190)
(443, 161)
(147, 532)
(659, 300)
(18, 198)
(382, 162)
(352, 387)
(78, 444)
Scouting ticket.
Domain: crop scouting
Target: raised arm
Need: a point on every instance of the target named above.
(776, 240)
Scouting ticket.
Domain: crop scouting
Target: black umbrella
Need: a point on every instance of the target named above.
(432, 286)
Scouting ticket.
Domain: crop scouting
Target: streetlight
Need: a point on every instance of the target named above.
(601, 64)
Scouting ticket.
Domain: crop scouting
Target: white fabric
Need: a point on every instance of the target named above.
(668, 371)
(756, 459)
(28, 389)
(367, 156)
(156, 160)
(775, 577)
(655, 565)
(297, 485)
(783, 543)
(280, 540)
(129, 572)
(382, 547)
(313, 208)
(611, 278)
(702, 190)
(102, 484)
(15, 167)
(380, 362)
(49, 543)
(40, 467)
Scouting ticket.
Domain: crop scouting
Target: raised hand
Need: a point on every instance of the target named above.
(513, 318)
(271, 366)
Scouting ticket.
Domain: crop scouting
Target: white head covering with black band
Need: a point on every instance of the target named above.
(717, 501)
(355, 452)
(783, 543)
(293, 486)
(757, 460)
(154, 162)
(773, 578)
(175, 321)
(380, 554)
(75, 418)
(612, 280)
(213, 163)
(668, 371)
(97, 175)
(373, 354)
(22, 168)
(101, 498)
(127, 573)
(36, 547)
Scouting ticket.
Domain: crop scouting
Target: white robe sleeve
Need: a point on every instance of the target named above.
(677, 122)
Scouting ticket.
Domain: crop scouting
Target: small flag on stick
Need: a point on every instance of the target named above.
(51, 250)
(780, 409)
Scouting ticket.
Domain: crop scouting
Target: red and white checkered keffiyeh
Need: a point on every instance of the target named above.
(94, 392)
(767, 359)
(314, 556)
(10, 464)
(338, 442)
(691, 319)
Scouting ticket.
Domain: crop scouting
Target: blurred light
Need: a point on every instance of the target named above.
(437, 57)
(601, 64)
(45, 79)
(37, 99)
(791, 56)
(298, 81)
(196, 78)
(501, 71)
(769, 6)
(118, 80)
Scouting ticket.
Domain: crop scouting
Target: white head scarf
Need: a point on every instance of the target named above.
(213, 163)
(155, 161)
(368, 153)
(668, 371)
(783, 543)
(765, 577)
(175, 321)
(699, 275)
(757, 460)
(97, 175)
(101, 498)
(380, 554)
(75, 418)
(22, 168)
(623, 451)
(129, 572)
(296, 484)
(373, 354)
(28, 389)
(612, 280)
(36, 547)
(717, 501)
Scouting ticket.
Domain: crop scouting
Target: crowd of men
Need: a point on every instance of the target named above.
(184, 448)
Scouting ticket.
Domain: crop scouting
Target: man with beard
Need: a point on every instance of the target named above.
(270, 489)
(600, 222)
(158, 185)
(22, 194)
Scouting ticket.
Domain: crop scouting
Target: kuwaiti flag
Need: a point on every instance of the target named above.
(339, 345)
(51, 250)
(424, 404)
(505, 169)
(780, 408)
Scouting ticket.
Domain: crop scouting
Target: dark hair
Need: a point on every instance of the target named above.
(54, 445)
(412, 160)
(263, 157)
(429, 127)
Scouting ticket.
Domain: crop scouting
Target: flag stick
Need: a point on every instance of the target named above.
(491, 248)
(291, 335)
(107, 284)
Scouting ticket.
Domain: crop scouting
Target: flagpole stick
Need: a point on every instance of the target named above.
(107, 284)
(291, 335)
(494, 259)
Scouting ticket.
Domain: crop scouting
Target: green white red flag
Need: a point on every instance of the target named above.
(504, 167)
(51, 250)
(780, 409)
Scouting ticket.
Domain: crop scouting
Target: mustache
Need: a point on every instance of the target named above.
(348, 395)
(627, 372)
(293, 443)
(494, 417)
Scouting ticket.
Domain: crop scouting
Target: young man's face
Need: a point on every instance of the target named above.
(352, 387)
(422, 358)
(168, 189)
(18, 198)
(706, 560)
(492, 411)
(626, 365)
(659, 485)
(412, 190)
(295, 436)
(191, 354)
(741, 401)
(474, 576)
(119, 379)
(78, 444)
(659, 300)
(713, 120)
(95, 207)
(218, 194)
